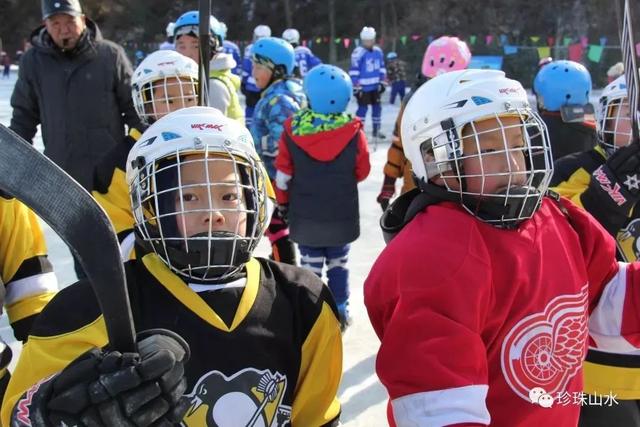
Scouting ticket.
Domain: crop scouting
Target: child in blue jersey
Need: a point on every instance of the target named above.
(231, 48)
(249, 89)
(273, 63)
(305, 59)
(368, 74)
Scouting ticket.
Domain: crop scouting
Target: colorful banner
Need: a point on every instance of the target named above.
(544, 51)
(486, 62)
(575, 52)
(488, 39)
(584, 41)
(510, 50)
(595, 53)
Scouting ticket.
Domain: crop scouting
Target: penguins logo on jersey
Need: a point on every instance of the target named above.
(249, 398)
(627, 240)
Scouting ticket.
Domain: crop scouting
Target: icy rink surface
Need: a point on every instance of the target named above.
(363, 397)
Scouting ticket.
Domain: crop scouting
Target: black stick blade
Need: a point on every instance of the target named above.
(83, 225)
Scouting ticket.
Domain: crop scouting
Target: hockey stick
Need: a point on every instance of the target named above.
(623, 10)
(71, 212)
(205, 51)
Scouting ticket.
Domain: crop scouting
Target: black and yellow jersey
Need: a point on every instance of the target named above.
(268, 351)
(111, 190)
(25, 270)
(603, 372)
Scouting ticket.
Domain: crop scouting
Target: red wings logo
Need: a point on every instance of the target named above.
(202, 126)
(547, 349)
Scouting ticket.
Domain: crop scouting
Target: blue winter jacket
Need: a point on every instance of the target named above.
(280, 100)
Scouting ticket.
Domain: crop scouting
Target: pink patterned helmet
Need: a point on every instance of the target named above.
(445, 54)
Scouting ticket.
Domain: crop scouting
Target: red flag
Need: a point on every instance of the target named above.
(575, 52)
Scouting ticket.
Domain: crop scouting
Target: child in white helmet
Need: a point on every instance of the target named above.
(232, 339)
(164, 82)
(249, 89)
(305, 59)
(368, 75)
(489, 293)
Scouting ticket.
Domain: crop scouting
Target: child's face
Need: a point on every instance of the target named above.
(368, 44)
(172, 94)
(213, 189)
(262, 74)
(188, 46)
(496, 169)
(619, 123)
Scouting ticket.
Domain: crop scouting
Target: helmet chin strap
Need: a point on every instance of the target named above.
(501, 207)
(225, 248)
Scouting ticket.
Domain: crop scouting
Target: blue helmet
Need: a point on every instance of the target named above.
(561, 83)
(392, 55)
(272, 52)
(189, 23)
(328, 88)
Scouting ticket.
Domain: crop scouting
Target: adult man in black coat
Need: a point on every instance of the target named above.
(76, 85)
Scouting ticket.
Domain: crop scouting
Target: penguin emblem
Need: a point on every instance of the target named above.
(249, 398)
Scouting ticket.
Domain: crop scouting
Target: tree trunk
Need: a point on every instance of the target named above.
(333, 57)
(287, 13)
(394, 23)
(383, 24)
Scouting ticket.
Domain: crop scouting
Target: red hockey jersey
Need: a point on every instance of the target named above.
(471, 317)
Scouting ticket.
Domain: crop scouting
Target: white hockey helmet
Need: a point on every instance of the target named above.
(261, 31)
(613, 117)
(176, 74)
(439, 131)
(368, 33)
(200, 194)
(291, 35)
(170, 28)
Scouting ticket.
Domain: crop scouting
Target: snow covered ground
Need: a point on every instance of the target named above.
(362, 395)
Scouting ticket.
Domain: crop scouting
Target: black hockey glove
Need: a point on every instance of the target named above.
(381, 88)
(357, 92)
(614, 188)
(283, 212)
(108, 388)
